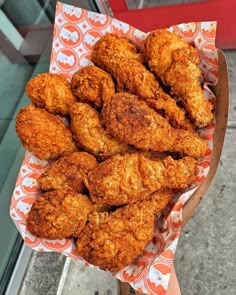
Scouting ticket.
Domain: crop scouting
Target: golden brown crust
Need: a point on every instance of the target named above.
(59, 214)
(114, 241)
(187, 87)
(90, 134)
(131, 121)
(93, 85)
(125, 179)
(109, 49)
(133, 77)
(52, 92)
(43, 134)
(159, 47)
(175, 62)
(68, 172)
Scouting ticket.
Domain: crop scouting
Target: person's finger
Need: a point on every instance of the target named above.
(173, 287)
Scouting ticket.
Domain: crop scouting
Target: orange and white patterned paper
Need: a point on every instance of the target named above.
(75, 32)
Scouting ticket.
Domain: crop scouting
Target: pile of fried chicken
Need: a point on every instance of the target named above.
(130, 145)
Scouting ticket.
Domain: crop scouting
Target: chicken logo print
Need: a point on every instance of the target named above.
(133, 273)
(73, 14)
(91, 38)
(30, 183)
(31, 240)
(66, 59)
(138, 37)
(97, 20)
(70, 35)
(161, 273)
(35, 163)
(23, 207)
(57, 244)
(209, 29)
(153, 247)
(120, 28)
(188, 30)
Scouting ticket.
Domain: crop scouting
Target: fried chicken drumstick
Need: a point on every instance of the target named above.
(131, 121)
(175, 62)
(114, 241)
(110, 49)
(128, 178)
(90, 134)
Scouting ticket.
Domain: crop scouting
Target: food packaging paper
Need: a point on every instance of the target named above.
(75, 32)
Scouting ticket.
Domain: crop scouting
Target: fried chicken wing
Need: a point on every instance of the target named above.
(131, 121)
(59, 214)
(114, 241)
(125, 179)
(175, 62)
(51, 91)
(43, 134)
(68, 172)
(93, 85)
(108, 51)
(132, 76)
(90, 134)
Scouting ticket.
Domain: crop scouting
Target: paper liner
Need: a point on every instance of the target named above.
(75, 32)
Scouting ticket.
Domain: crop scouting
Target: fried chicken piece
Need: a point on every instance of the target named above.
(114, 241)
(133, 77)
(93, 85)
(160, 48)
(131, 121)
(59, 214)
(43, 134)
(109, 49)
(68, 172)
(52, 92)
(90, 134)
(175, 62)
(125, 179)
(183, 77)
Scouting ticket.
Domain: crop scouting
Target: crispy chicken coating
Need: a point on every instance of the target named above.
(108, 51)
(43, 134)
(125, 179)
(131, 121)
(59, 214)
(93, 85)
(175, 62)
(160, 48)
(183, 77)
(90, 134)
(68, 172)
(133, 77)
(52, 92)
(114, 241)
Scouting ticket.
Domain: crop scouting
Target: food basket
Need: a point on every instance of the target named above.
(75, 33)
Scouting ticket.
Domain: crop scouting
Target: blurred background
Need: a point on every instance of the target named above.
(205, 259)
